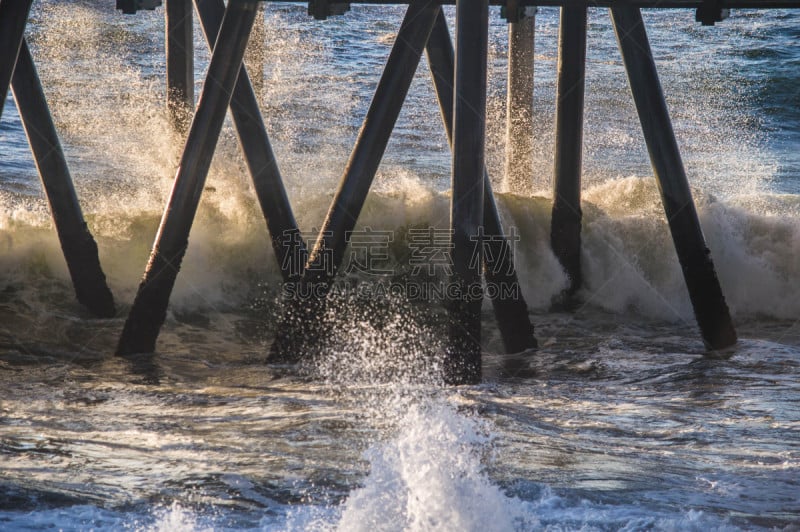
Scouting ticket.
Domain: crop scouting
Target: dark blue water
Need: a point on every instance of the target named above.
(617, 423)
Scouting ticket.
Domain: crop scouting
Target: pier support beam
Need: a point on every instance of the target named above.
(519, 105)
(511, 312)
(149, 309)
(705, 292)
(462, 364)
(287, 244)
(565, 232)
(180, 61)
(77, 243)
(326, 258)
(13, 19)
(372, 140)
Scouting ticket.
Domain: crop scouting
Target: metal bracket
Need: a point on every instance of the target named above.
(129, 7)
(513, 12)
(710, 13)
(322, 9)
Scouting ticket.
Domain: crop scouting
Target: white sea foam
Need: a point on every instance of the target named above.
(175, 518)
(429, 476)
(128, 155)
(629, 261)
(430, 466)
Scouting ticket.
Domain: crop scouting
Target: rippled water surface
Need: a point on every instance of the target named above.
(617, 422)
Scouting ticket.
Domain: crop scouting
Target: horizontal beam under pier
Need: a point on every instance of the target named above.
(644, 4)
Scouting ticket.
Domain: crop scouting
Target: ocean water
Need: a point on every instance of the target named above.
(617, 422)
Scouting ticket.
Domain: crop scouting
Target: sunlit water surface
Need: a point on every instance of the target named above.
(617, 423)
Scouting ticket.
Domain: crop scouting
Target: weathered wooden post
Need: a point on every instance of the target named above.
(705, 292)
(462, 364)
(373, 138)
(565, 232)
(328, 253)
(149, 309)
(13, 19)
(510, 308)
(77, 243)
(519, 104)
(289, 248)
(179, 44)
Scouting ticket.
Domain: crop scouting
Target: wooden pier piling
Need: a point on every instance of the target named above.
(13, 19)
(287, 244)
(328, 253)
(149, 309)
(705, 292)
(459, 74)
(511, 310)
(519, 105)
(179, 44)
(462, 364)
(565, 232)
(77, 243)
(372, 140)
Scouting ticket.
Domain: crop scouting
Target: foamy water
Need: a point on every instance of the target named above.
(616, 423)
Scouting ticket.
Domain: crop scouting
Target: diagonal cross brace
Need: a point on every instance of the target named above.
(149, 308)
(357, 179)
(17, 69)
(705, 292)
(13, 19)
(372, 139)
(288, 245)
(77, 243)
(511, 313)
